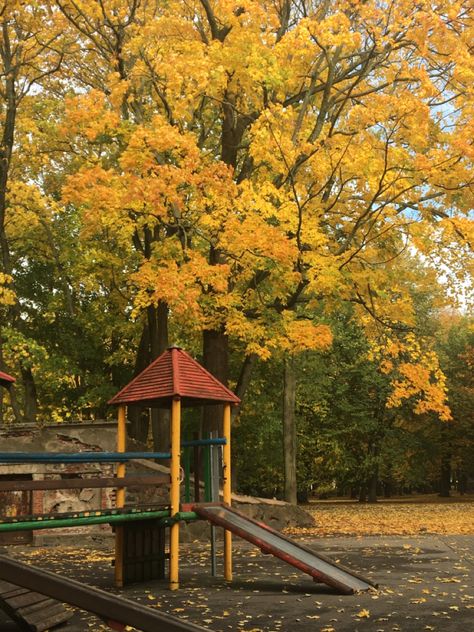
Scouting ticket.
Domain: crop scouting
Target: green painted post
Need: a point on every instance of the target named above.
(187, 474)
(207, 474)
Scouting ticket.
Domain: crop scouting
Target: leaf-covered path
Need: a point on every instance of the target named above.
(426, 583)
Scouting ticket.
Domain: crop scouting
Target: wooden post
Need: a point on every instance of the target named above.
(175, 431)
(120, 497)
(227, 492)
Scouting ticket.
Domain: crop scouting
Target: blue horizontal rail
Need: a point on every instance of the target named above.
(78, 457)
(97, 457)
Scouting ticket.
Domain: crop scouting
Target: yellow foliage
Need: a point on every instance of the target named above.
(7, 295)
(235, 166)
(415, 374)
(303, 335)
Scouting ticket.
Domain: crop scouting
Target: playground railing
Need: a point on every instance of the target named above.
(206, 457)
(207, 446)
(203, 454)
(80, 481)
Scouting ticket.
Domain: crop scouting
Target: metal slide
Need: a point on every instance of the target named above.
(320, 567)
(110, 607)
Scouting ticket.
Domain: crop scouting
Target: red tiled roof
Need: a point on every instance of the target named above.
(5, 379)
(174, 374)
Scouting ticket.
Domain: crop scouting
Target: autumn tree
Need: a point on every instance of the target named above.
(51, 304)
(263, 161)
(31, 51)
(172, 225)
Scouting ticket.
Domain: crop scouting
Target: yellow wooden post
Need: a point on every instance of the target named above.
(121, 447)
(175, 428)
(120, 496)
(227, 492)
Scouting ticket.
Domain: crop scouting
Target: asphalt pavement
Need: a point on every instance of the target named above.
(425, 583)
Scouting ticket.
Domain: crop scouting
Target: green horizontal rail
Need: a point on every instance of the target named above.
(51, 523)
(203, 442)
(91, 513)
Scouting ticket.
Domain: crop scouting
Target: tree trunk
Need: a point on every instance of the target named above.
(7, 142)
(363, 493)
(216, 361)
(373, 477)
(160, 417)
(153, 341)
(6, 150)
(31, 404)
(244, 380)
(372, 486)
(289, 430)
(14, 404)
(445, 470)
(462, 482)
(445, 477)
(138, 416)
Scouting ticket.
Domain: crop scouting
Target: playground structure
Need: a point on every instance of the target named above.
(174, 380)
(143, 548)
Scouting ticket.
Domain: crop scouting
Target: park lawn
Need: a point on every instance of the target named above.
(427, 515)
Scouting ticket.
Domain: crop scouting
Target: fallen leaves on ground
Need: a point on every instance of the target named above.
(387, 518)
